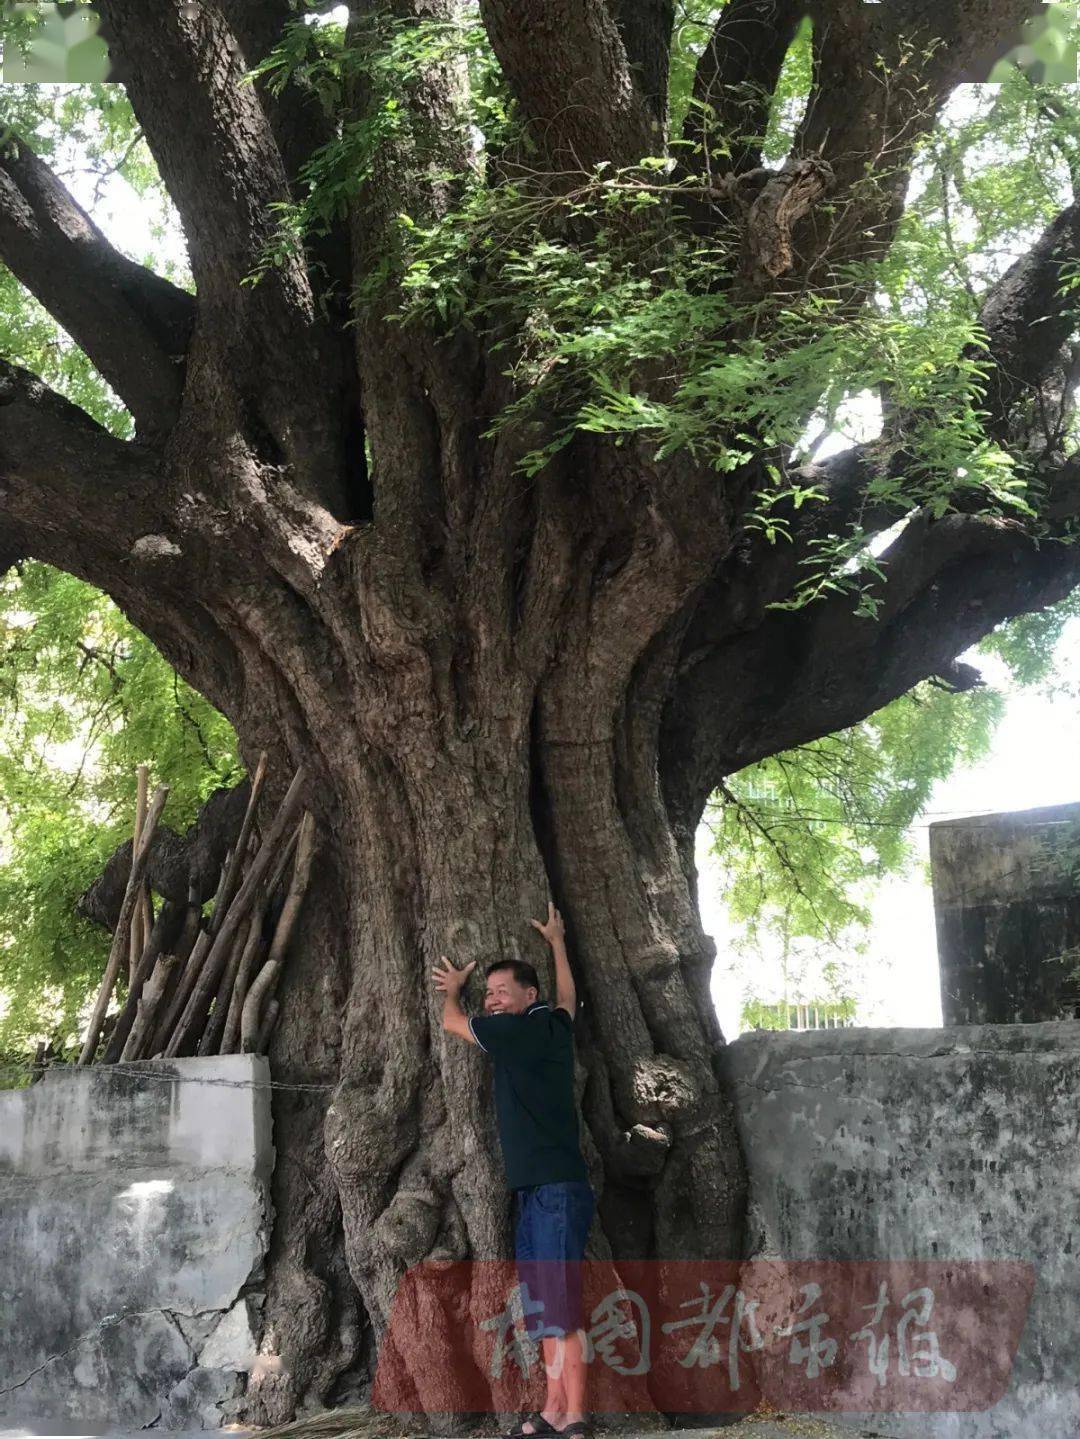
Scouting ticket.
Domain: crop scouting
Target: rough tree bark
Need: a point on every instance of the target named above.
(501, 688)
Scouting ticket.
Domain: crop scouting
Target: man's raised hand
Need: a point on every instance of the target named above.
(554, 929)
(449, 980)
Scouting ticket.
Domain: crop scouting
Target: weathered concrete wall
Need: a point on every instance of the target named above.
(919, 1144)
(1006, 904)
(134, 1217)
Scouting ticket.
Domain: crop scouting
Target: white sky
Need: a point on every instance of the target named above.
(1035, 758)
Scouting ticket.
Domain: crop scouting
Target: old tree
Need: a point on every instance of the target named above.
(467, 478)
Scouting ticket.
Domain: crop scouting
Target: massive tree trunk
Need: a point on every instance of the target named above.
(501, 688)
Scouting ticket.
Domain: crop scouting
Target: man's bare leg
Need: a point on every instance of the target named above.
(573, 1377)
(564, 1364)
(555, 1400)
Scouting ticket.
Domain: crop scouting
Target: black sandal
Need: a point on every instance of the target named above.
(540, 1426)
(580, 1429)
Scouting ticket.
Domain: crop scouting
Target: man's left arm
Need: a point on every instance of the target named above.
(555, 933)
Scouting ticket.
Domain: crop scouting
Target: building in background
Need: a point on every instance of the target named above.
(813, 1014)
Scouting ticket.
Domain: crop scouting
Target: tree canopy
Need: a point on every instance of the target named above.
(804, 834)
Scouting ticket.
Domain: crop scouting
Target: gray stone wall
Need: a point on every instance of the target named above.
(134, 1218)
(1006, 908)
(918, 1144)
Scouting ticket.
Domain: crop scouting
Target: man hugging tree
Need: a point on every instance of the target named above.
(531, 1046)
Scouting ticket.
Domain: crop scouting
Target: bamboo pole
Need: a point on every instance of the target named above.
(139, 936)
(246, 896)
(215, 1026)
(161, 935)
(278, 873)
(240, 849)
(249, 1015)
(301, 876)
(230, 1039)
(246, 940)
(182, 951)
(230, 1036)
(151, 997)
(194, 1016)
(263, 986)
(122, 938)
(267, 1026)
(182, 993)
(186, 979)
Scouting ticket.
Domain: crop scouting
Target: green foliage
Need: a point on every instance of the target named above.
(84, 698)
(384, 62)
(91, 130)
(1027, 645)
(694, 23)
(615, 319)
(805, 835)
(597, 346)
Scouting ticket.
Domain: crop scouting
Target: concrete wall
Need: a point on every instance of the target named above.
(134, 1217)
(1006, 905)
(912, 1144)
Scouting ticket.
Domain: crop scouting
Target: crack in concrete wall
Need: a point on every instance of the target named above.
(163, 1219)
(107, 1323)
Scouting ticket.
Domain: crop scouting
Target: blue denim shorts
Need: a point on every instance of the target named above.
(553, 1222)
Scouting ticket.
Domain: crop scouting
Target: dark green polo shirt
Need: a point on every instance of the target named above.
(533, 1054)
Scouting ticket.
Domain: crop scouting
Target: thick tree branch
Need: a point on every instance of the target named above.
(184, 69)
(70, 487)
(875, 92)
(734, 83)
(419, 393)
(134, 325)
(645, 29)
(565, 62)
(1028, 321)
(822, 668)
(881, 74)
(76, 497)
(299, 119)
(301, 123)
(221, 166)
(768, 682)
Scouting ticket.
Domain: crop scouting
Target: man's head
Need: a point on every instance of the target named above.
(512, 985)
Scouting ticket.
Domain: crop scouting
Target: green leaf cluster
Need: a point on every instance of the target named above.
(84, 698)
(806, 834)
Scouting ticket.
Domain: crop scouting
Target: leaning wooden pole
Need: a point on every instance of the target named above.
(164, 931)
(240, 848)
(121, 939)
(256, 1006)
(245, 945)
(234, 916)
(148, 1002)
(139, 934)
(230, 1035)
(189, 974)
